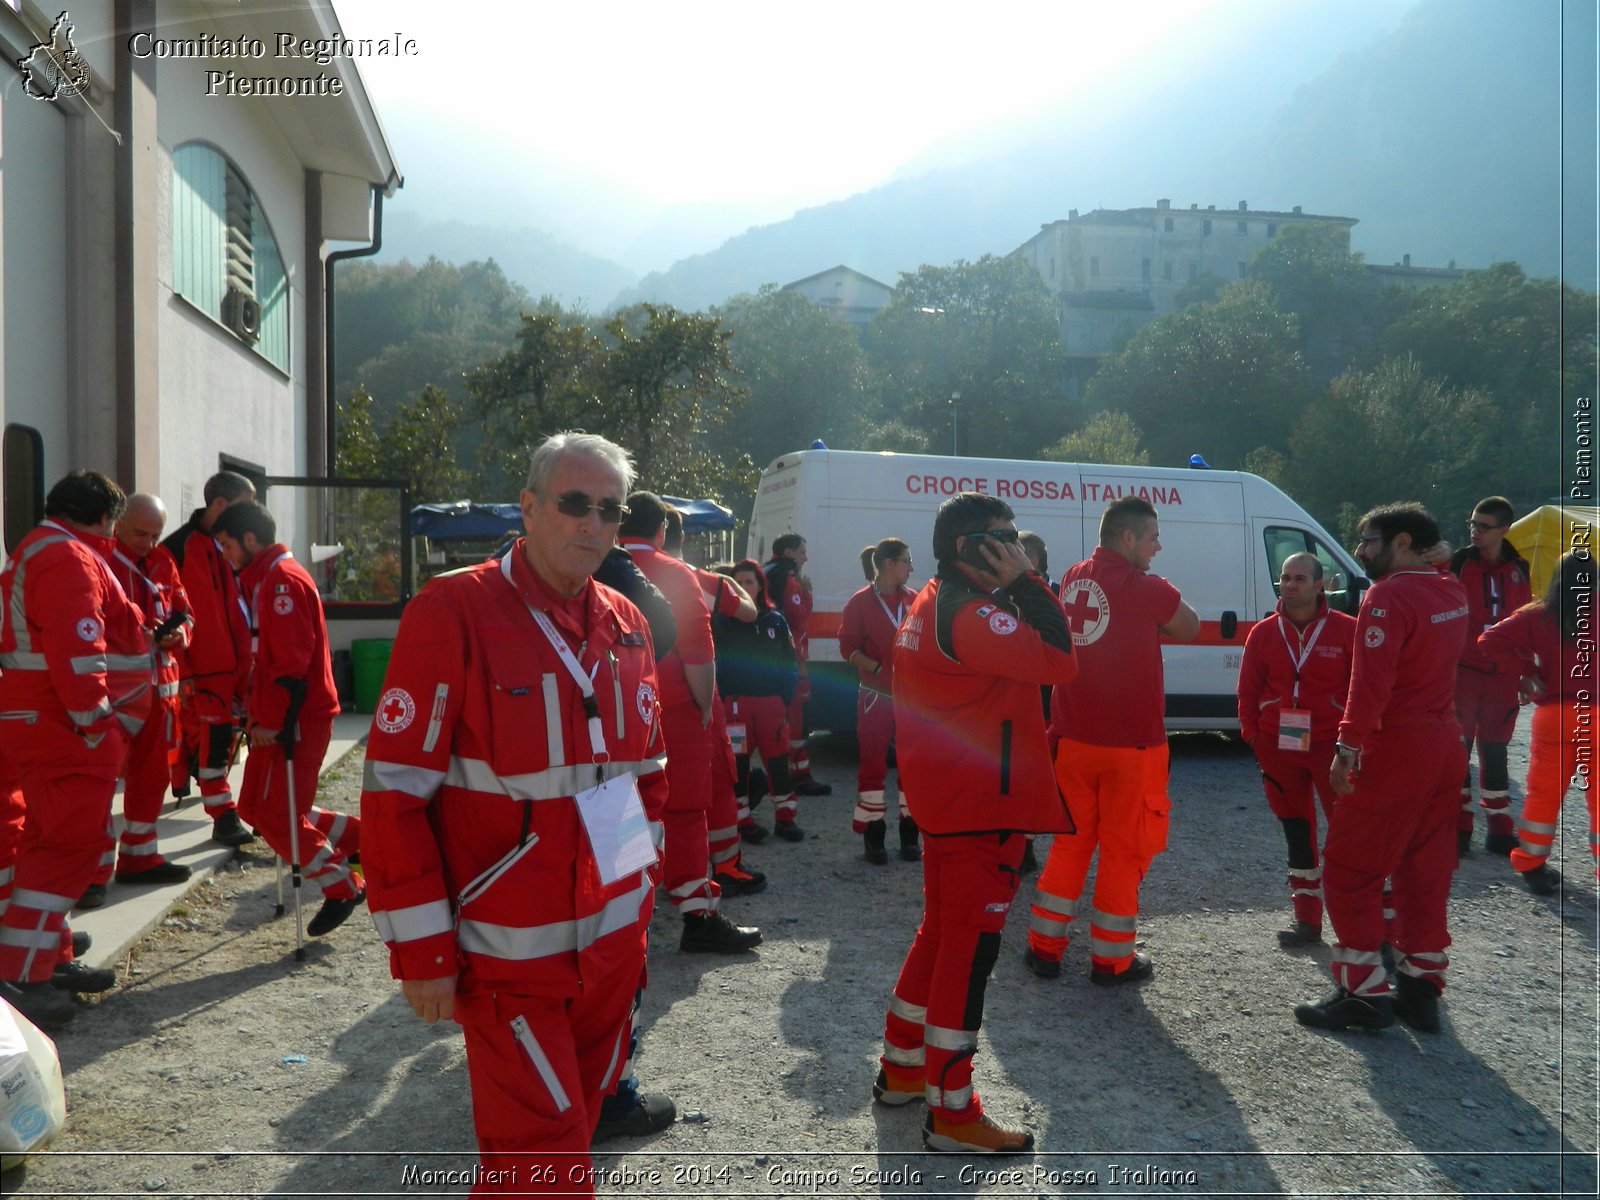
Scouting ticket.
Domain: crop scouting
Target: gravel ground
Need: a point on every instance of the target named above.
(221, 1067)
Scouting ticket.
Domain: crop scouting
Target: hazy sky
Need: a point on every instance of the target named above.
(714, 101)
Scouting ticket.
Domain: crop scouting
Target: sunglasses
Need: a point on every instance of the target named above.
(578, 505)
(1481, 526)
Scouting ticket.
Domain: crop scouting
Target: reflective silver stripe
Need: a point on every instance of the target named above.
(336, 828)
(689, 889)
(650, 766)
(906, 1011)
(554, 742)
(553, 783)
(951, 1099)
(168, 690)
(724, 854)
(88, 664)
(19, 616)
(415, 923)
(1045, 927)
(97, 713)
(1101, 948)
(1309, 873)
(949, 1039)
(37, 939)
(1059, 905)
(541, 1063)
(658, 834)
(137, 849)
(1537, 827)
(694, 904)
(1357, 958)
(1534, 849)
(521, 943)
(1114, 922)
(5, 876)
(441, 694)
(130, 722)
(26, 716)
(904, 1058)
(23, 662)
(41, 901)
(616, 688)
(1428, 960)
(134, 828)
(130, 662)
(398, 777)
(726, 831)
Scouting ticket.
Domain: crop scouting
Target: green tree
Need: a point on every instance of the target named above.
(986, 331)
(1108, 437)
(418, 444)
(805, 372)
(1218, 378)
(1314, 276)
(1392, 433)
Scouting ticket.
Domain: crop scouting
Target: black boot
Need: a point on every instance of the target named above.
(1343, 1009)
(873, 839)
(1416, 1002)
(910, 850)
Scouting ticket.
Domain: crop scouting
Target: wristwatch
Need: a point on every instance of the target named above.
(1353, 753)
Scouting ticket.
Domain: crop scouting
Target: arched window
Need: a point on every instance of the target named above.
(225, 259)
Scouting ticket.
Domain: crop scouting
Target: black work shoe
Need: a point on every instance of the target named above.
(788, 831)
(713, 933)
(1416, 1002)
(653, 1113)
(1543, 880)
(1301, 933)
(93, 896)
(753, 833)
(736, 881)
(1500, 843)
(1044, 968)
(42, 1003)
(167, 872)
(334, 913)
(1344, 1009)
(77, 976)
(812, 787)
(1463, 842)
(910, 851)
(80, 943)
(872, 841)
(228, 830)
(1139, 968)
(1030, 861)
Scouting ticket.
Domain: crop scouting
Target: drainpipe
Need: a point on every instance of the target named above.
(339, 256)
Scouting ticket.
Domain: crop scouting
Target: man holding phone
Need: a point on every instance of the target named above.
(1109, 732)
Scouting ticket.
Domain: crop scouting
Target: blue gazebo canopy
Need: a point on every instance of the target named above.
(467, 521)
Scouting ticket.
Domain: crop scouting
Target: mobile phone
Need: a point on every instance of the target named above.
(971, 552)
(168, 627)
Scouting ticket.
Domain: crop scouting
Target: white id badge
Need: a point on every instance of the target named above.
(1294, 729)
(736, 736)
(619, 835)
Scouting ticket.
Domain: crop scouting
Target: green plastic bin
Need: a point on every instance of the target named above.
(370, 659)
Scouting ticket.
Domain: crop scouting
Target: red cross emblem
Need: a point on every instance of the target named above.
(396, 710)
(1088, 612)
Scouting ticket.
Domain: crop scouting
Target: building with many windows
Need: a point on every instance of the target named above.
(169, 208)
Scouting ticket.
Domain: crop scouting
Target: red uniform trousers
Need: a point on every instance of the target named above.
(931, 1031)
(1118, 798)
(874, 735)
(264, 805)
(686, 857)
(722, 834)
(1396, 823)
(1486, 706)
(799, 756)
(765, 721)
(538, 1067)
(1562, 746)
(208, 732)
(1294, 781)
(145, 781)
(68, 789)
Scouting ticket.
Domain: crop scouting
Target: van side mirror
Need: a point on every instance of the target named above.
(1230, 623)
(1336, 582)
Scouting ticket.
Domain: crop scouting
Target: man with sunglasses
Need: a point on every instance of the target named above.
(1398, 762)
(1496, 579)
(510, 818)
(1108, 729)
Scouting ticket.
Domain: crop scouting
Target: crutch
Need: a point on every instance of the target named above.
(286, 738)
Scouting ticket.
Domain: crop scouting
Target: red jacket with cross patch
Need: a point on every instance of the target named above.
(1267, 676)
(291, 639)
(1494, 591)
(969, 733)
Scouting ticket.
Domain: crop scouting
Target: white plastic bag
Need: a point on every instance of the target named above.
(33, 1100)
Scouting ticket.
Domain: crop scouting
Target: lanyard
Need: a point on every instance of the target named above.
(585, 682)
(1299, 660)
(899, 613)
(157, 602)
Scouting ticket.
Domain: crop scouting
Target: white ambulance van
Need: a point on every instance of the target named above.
(1224, 536)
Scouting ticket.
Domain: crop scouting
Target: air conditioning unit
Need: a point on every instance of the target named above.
(241, 312)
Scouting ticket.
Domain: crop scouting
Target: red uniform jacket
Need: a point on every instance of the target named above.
(793, 601)
(1408, 638)
(218, 656)
(479, 743)
(75, 660)
(681, 586)
(1494, 591)
(291, 640)
(970, 736)
(152, 583)
(1268, 676)
(869, 624)
(1529, 642)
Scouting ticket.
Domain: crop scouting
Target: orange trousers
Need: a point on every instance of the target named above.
(1118, 798)
(1563, 744)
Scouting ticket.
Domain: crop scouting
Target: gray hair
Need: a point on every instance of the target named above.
(575, 441)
